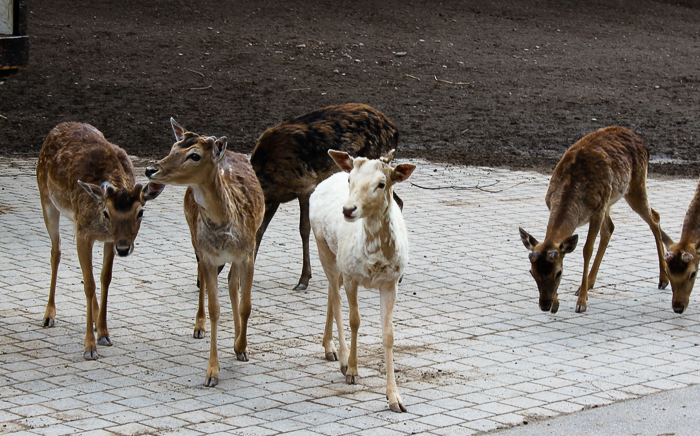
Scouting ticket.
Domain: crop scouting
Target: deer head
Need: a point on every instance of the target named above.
(371, 183)
(547, 265)
(191, 158)
(682, 270)
(122, 210)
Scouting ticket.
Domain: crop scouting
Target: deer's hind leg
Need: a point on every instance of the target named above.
(51, 219)
(304, 232)
(593, 229)
(637, 199)
(241, 278)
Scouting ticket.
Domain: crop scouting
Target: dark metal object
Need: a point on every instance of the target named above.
(14, 49)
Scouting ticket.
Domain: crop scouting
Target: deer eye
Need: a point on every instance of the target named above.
(692, 275)
(106, 215)
(348, 180)
(195, 157)
(381, 185)
(559, 274)
(140, 214)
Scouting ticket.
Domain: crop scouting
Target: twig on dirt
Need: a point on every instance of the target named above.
(3, 116)
(413, 77)
(300, 89)
(452, 83)
(469, 188)
(199, 89)
(463, 131)
(196, 72)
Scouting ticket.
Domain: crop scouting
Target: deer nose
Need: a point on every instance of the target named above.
(678, 308)
(123, 249)
(348, 211)
(150, 171)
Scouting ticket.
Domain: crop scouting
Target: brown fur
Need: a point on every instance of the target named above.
(224, 207)
(593, 174)
(291, 158)
(682, 256)
(91, 181)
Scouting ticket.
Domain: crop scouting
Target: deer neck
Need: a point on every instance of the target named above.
(212, 197)
(691, 223)
(379, 233)
(563, 221)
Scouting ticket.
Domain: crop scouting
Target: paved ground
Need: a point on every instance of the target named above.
(473, 351)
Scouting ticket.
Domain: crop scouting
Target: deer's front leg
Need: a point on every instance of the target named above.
(352, 374)
(593, 230)
(85, 257)
(105, 280)
(210, 278)
(387, 298)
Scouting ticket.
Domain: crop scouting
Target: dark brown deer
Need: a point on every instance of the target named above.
(291, 158)
(91, 182)
(682, 256)
(224, 207)
(594, 174)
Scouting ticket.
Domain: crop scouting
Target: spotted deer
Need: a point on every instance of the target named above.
(682, 256)
(593, 174)
(291, 158)
(91, 182)
(224, 207)
(362, 241)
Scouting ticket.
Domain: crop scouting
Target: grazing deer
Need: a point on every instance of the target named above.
(362, 240)
(593, 174)
(91, 182)
(224, 206)
(682, 256)
(291, 158)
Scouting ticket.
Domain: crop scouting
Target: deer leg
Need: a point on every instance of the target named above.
(51, 218)
(606, 232)
(245, 280)
(304, 232)
(105, 280)
(270, 209)
(593, 230)
(210, 280)
(200, 320)
(334, 310)
(387, 297)
(85, 257)
(352, 375)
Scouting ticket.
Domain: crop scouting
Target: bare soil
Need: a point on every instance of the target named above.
(498, 83)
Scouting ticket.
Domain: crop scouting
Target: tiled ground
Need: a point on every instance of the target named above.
(473, 351)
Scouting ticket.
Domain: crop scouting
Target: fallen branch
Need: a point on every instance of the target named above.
(468, 188)
(300, 89)
(196, 72)
(413, 77)
(199, 89)
(452, 83)
(3, 116)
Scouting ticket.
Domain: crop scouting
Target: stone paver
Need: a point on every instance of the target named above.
(473, 351)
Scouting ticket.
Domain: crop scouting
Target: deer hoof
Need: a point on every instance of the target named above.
(663, 284)
(300, 287)
(242, 356)
(210, 382)
(198, 334)
(104, 340)
(48, 322)
(580, 308)
(397, 407)
(344, 369)
(332, 356)
(90, 355)
(351, 379)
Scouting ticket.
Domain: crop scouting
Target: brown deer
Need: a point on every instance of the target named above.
(291, 158)
(682, 256)
(91, 182)
(593, 174)
(224, 206)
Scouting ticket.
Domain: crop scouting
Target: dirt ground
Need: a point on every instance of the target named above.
(500, 83)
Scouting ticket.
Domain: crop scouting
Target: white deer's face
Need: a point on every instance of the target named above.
(370, 189)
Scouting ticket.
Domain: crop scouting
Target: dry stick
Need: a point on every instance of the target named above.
(3, 116)
(199, 89)
(196, 72)
(451, 83)
(413, 77)
(300, 89)
(465, 188)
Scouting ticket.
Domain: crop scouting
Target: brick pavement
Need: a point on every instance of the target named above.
(473, 351)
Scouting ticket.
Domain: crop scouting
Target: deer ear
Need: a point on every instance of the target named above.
(95, 191)
(528, 240)
(177, 129)
(569, 244)
(342, 159)
(151, 191)
(219, 149)
(402, 172)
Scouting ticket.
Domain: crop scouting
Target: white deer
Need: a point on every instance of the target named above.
(361, 240)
